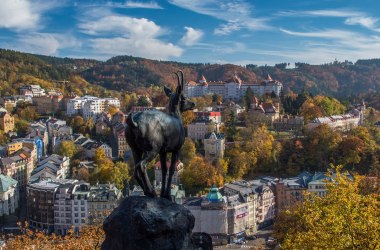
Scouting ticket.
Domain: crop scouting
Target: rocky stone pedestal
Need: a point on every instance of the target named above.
(147, 223)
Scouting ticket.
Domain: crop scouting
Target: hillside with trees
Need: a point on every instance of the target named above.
(125, 73)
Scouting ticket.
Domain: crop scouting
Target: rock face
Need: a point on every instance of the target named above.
(147, 223)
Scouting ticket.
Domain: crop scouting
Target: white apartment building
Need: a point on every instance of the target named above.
(337, 122)
(32, 90)
(220, 215)
(59, 205)
(70, 207)
(90, 106)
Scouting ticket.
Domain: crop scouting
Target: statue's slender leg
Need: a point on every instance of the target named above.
(148, 156)
(164, 171)
(171, 172)
(137, 155)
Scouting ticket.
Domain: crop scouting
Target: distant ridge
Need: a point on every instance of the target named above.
(125, 73)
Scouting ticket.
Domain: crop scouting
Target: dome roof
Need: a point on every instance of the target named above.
(214, 195)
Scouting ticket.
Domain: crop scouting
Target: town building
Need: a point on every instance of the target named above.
(54, 166)
(32, 90)
(219, 215)
(92, 146)
(60, 205)
(214, 116)
(57, 130)
(290, 191)
(200, 128)
(214, 146)
(233, 89)
(336, 122)
(119, 145)
(286, 122)
(70, 207)
(90, 106)
(102, 200)
(48, 104)
(261, 193)
(7, 122)
(10, 102)
(210, 213)
(176, 178)
(40, 201)
(38, 131)
(9, 195)
(19, 167)
(265, 113)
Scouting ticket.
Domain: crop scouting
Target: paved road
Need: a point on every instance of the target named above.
(256, 244)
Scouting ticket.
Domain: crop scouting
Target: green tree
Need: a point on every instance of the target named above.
(188, 151)
(230, 128)
(344, 219)
(67, 148)
(199, 175)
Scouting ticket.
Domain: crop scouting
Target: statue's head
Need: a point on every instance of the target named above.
(177, 99)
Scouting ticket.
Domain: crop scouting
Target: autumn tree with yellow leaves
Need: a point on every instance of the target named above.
(346, 218)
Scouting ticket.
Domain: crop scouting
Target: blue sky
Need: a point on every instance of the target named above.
(215, 31)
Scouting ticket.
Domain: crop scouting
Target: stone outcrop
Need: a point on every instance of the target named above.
(147, 223)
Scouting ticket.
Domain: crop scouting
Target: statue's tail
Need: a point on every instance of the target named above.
(130, 121)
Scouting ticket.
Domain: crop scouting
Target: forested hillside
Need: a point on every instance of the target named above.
(125, 73)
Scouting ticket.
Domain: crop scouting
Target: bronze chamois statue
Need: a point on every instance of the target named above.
(153, 132)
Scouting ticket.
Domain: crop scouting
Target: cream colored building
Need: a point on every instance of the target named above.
(7, 122)
(214, 146)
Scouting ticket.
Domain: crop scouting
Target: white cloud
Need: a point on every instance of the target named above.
(368, 22)
(341, 45)
(24, 14)
(117, 34)
(236, 14)
(352, 17)
(145, 5)
(323, 13)
(43, 43)
(39, 43)
(191, 36)
(147, 48)
(18, 14)
(121, 25)
(340, 34)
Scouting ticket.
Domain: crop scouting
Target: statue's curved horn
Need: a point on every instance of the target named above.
(182, 78)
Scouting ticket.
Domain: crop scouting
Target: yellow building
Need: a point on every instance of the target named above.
(7, 122)
(14, 147)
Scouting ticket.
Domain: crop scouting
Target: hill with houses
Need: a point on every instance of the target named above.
(125, 73)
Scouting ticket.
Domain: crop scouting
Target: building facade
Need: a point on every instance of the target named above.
(233, 89)
(214, 146)
(176, 178)
(90, 106)
(7, 122)
(9, 195)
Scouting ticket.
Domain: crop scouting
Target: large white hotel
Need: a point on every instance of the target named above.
(90, 106)
(233, 89)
